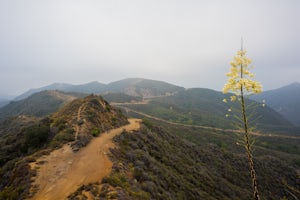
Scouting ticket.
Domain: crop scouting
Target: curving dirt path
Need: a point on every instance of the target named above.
(62, 171)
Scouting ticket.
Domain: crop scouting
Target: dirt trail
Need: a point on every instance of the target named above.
(81, 108)
(62, 171)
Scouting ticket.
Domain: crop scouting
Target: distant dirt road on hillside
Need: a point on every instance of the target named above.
(208, 127)
(62, 171)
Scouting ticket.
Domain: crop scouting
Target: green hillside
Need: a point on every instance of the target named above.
(87, 88)
(25, 138)
(157, 163)
(120, 97)
(205, 107)
(39, 104)
(285, 101)
(131, 86)
(142, 87)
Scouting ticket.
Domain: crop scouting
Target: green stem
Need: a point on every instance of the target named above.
(247, 143)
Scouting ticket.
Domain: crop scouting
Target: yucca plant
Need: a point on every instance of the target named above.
(241, 83)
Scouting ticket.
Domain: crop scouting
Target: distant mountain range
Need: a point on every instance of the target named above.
(88, 88)
(284, 100)
(46, 100)
(131, 86)
(3, 102)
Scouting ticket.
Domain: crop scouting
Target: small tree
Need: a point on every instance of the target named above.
(240, 82)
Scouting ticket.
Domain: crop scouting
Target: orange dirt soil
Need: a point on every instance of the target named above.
(63, 171)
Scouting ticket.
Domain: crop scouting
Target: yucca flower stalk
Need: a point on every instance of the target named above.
(240, 82)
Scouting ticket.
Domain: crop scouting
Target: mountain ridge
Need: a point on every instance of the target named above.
(38, 104)
(110, 87)
(154, 92)
(131, 86)
(284, 100)
(23, 139)
(90, 87)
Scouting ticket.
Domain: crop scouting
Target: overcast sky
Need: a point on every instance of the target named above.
(184, 42)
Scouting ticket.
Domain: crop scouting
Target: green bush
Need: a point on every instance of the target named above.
(147, 123)
(95, 132)
(67, 135)
(141, 195)
(8, 194)
(36, 137)
(60, 123)
(117, 179)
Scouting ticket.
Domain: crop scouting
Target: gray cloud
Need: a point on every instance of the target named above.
(189, 43)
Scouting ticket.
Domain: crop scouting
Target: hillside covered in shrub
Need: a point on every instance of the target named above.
(25, 138)
(154, 164)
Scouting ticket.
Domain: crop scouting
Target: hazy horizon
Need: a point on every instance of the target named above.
(186, 43)
(11, 96)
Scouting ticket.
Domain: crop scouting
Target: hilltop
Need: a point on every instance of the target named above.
(46, 100)
(88, 88)
(143, 87)
(39, 104)
(90, 162)
(88, 117)
(23, 139)
(131, 86)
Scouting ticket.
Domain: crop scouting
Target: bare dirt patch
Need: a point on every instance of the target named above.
(63, 171)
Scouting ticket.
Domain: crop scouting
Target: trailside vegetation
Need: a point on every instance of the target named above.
(154, 164)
